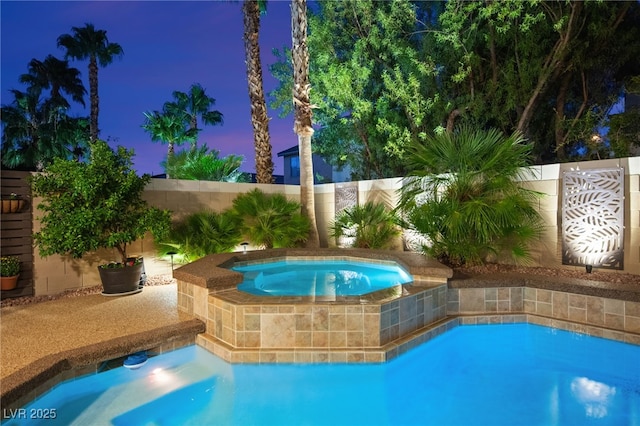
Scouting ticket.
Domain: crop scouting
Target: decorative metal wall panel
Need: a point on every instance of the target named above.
(593, 218)
(346, 196)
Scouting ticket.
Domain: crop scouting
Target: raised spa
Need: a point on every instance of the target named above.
(321, 277)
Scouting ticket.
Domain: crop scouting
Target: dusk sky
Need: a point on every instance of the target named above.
(168, 45)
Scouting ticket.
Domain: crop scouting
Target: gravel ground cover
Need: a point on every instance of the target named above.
(151, 281)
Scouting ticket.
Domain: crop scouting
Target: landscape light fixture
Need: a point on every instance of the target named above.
(244, 247)
(172, 253)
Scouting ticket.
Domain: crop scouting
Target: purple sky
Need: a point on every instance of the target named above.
(168, 45)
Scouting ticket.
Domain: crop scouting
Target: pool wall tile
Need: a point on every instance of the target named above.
(243, 328)
(575, 312)
(595, 310)
(632, 309)
(560, 303)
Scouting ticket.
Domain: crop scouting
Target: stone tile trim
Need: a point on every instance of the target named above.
(621, 336)
(333, 326)
(614, 314)
(325, 355)
(401, 346)
(618, 291)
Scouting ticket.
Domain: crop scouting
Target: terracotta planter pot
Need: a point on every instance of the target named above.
(120, 280)
(13, 205)
(8, 283)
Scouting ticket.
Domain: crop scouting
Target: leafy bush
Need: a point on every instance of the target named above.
(271, 220)
(198, 163)
(95, 205)
(201, 234)
(463, 196)
(371, 225)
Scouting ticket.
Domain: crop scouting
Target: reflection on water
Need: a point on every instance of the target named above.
(595, 396)
(350, 282)
(326, 278)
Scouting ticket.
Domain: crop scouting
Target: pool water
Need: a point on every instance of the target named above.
(319, 277)
(516, 374)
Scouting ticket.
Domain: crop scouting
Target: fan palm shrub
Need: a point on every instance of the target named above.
(371, 225)
(271, 220)
(200, 234)
(199, 163)
(462, 194)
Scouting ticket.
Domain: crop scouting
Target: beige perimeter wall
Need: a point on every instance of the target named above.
(56, 274)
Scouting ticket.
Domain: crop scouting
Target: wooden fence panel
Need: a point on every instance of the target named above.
(16, 231)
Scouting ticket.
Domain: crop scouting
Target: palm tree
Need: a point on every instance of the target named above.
(167, 128)
(55, 74)
(201, 164)
(251, 10)
(75, 132)
(33, 133)
(371, 225)
(189, 106)
(302, 114)
(463, 195)
(92, 44)
(271, 220)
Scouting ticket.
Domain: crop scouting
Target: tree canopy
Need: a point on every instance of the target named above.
(387, 74)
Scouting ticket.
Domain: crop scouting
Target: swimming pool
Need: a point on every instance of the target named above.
(321, 277)
(472, 375)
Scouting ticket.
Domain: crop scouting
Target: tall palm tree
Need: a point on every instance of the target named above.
(251, 10)
(92, 44)
(55, 74)
(189, 106)
(167, 128)
(302, 114)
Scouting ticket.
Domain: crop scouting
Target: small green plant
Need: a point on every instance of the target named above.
(200, 234)
(9, 266)
(98, 204)
(271, 220)
(371, 225)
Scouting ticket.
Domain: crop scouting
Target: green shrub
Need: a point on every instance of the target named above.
(270, 220)
(463, 196)
(200, 234)
(9, 266)
(98, 204)
(371, 225)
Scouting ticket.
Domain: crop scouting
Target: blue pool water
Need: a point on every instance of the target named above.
(319, 278)
(517, 374)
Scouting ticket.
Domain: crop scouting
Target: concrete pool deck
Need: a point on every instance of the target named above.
(45, 343)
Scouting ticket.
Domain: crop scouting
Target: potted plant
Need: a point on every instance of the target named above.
(9, 272)
(12, 203)
(97, 204)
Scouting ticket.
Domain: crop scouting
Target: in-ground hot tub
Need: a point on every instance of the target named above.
(319, 277)
(371, 326)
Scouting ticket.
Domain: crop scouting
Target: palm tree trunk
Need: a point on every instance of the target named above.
(93, 94)
(302, 114)
(259, 118)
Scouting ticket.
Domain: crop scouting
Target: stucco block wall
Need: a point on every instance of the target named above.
(55, 274)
